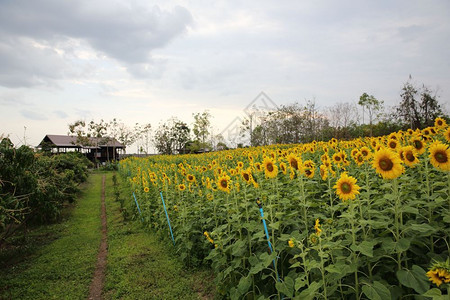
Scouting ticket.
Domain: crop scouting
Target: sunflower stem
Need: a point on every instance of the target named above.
(355, 258)
(430, 210)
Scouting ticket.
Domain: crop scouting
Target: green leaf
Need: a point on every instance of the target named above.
(244, 284)
(366, 247)
(332, 269)
(286, 287)
(403, 244)
(382, 290)
(300, 282)
(423, 228)
(239, 248)
(275, 225)
(309, 292)
(435, 294)
(415, 279)
(377, 291)
(447, 219)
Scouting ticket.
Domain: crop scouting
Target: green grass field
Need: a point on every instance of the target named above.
(57, 261)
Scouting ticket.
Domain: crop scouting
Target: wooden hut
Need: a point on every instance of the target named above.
(102, 149)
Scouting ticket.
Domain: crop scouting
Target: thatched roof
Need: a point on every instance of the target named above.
(67, 141)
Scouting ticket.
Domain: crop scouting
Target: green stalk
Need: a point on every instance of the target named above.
(355, 260)
(322, 269)
(430, 210)
(305, 211)
(397, 220)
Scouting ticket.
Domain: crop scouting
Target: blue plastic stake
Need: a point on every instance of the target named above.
(135, 200)
(267, 234)
(167, 216)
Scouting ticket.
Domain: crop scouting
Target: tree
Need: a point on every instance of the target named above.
(416, 113)
(125, 135)
(78, 128)
(201, 129)
(429, 107)
(142, 136)
(171, 137)
(341, 116)
(372, 105)
(98, 132)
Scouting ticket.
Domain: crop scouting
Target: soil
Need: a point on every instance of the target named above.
(98, 281)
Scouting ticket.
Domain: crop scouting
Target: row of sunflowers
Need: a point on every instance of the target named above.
(361, 219)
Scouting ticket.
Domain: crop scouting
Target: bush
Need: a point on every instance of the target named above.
(33, 186)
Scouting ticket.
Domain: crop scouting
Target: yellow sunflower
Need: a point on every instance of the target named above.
(181, 187)
(359, 159)
(439, 276)
(190, 177)
(440, 123)
(293, 161)
(337, 159)
(283, 168)
(440, 156)
(393, 144)
(346, 187)
(323, 172)
(418, 144)
(146, 189)
(309, 172)
(223, 183)
(270, 169)
(447, 134)
(387, 163)
(291, 243)
(409, 157)
(317, 227)
(246, 175)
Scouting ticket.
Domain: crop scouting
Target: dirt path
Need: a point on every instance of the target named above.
(95, 290)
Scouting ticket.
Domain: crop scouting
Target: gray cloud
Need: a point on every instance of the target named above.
(60, 114)
(30, 31)
(32, 115)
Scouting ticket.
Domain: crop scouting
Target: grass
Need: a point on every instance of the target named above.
(59, 261)
(140, 266)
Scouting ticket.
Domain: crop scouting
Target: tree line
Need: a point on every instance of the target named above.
(287, 124)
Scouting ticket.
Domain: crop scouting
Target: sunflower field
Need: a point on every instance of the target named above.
(361, 219)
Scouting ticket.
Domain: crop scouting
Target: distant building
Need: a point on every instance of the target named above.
(103, 149)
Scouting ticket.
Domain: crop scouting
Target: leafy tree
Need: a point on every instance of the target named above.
(372, 105)
(201, 129)
(171, 137)
(418, 113)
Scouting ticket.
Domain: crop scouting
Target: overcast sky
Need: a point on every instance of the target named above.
(145, 61)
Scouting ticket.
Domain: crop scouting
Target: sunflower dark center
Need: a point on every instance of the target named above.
(441, 157)
(410, 157)
(246, 177)
(269, 167)
(360, 158)
(418, 145)
(337, 158)
(346, 187)
(308, 172)
(386, 164)
(224, 183)
(294, 163)
(364, 152)
(392, 145)
(439, 122)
